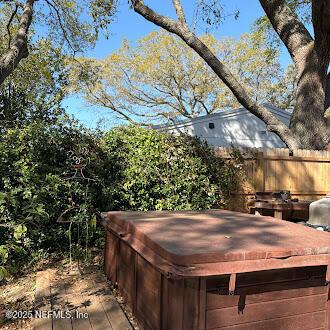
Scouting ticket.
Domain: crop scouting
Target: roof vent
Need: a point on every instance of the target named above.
(211, 125)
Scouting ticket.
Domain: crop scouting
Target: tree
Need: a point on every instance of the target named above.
(283, 95)
(161, 78)
(35, 91)
(75, 23)
(308, 128)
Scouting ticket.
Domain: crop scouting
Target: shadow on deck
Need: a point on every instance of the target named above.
(74, 300)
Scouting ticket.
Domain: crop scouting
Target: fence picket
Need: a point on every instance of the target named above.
(306, 174)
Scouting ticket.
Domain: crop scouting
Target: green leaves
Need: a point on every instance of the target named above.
(20, 232)
(102, 12)
(2, 198)
(34, 211)
(3, 273)
(161, 78)
(3, 254)
(35, 190)
(3, 258)
(34, 91)
(133, 169)
(156, 171)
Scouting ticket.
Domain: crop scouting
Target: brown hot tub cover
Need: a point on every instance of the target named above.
(217, 242)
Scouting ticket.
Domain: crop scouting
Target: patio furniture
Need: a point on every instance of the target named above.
(280, 205)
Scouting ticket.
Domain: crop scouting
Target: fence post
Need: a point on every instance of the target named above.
(260, 171)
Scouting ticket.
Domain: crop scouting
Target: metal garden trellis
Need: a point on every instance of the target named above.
(79, 160)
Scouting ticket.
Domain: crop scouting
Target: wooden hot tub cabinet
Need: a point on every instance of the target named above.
(218, 270)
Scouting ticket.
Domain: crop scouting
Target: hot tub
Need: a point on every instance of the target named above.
(218, 269)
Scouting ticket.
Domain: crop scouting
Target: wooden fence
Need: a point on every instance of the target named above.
(306, 173)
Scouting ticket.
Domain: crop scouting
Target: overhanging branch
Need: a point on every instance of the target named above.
(19, 49)
(54, 6)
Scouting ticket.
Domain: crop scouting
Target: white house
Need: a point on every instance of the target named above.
(236, 127)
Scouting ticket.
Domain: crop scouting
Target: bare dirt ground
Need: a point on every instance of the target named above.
(18, 293)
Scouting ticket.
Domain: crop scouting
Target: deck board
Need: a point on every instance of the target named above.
(43, 300)
(77, 306)
(59, 303)
(86, 294)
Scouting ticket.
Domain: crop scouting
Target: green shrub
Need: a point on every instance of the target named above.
(129, 168)
(151, 170)
(36, 189)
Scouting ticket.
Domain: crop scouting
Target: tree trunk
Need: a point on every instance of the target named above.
(327, 94)
(308, 123)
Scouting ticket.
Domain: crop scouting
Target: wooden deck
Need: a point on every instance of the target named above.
(76, 301)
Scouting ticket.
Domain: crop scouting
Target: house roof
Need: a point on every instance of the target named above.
(285, 114)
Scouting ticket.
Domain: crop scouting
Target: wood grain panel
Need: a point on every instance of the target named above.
(279, 275)
(127, 254)
(266, 311)
(302, 322)
(274, 169)
(148, 295)
(268, 276)
(126, 284)
(164, 303)
(191, 304)
(110, 257)
(268, 292)
(202, 304)
(126, 274)
(328, 307)
(175, 304)
(42, 300)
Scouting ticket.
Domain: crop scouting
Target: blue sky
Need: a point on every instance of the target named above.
(132, 26)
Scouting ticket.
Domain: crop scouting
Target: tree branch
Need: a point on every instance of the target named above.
(204, 106)
(59, 19)
(109, 104)
(9, 24)
(162, 21)
(179, 107)
(180, 12)
(290, 29)
(19, 50)
(220, 70)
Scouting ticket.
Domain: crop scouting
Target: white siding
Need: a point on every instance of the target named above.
(234, 127)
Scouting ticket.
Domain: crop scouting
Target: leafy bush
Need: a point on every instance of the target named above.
(157, 171)
(37, 163)
(55, 179)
